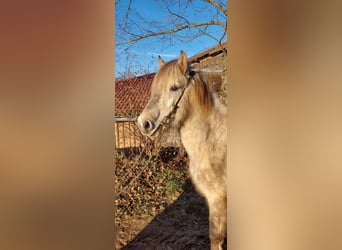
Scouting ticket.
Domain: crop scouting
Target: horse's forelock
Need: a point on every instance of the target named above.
(169, 70)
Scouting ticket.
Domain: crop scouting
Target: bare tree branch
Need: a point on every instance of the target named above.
(218, 6)
(170, 31)
(127, 12)
(203, 32)
(177, 15)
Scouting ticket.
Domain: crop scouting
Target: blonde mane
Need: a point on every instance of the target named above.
(200, 97)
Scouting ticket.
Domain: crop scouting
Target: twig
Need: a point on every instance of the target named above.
(170, 31)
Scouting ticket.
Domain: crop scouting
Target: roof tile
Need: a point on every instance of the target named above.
(131, 95)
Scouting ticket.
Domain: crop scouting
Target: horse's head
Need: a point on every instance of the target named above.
(167, 89)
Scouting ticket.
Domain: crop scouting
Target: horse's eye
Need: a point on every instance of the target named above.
(174, 88)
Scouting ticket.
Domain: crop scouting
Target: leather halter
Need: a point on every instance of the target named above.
(167, 118)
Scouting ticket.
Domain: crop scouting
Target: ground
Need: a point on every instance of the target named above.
(160, 208)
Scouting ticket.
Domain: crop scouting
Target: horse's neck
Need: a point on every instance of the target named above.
(195, 128)
(192, 134)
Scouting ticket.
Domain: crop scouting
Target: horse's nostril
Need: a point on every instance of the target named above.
(148, 125)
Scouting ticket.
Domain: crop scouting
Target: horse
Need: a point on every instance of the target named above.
(181, 99)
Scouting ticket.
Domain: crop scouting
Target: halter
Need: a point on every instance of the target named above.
(166, 119)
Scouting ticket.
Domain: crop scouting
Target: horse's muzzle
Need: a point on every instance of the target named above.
(147, 127)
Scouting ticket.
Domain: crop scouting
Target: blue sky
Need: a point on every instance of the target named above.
(142, 56)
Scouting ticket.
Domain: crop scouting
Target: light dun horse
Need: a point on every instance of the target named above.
(180, 98)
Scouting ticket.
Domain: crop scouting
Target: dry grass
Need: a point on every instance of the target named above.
(157, 206)
(145, 185)
(145, 182)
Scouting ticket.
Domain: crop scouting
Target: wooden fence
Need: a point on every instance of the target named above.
(127, 135)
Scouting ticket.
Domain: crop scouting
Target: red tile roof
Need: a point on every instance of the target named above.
(131, 95)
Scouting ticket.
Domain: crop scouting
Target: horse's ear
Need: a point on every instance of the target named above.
(160, 62)
(183, 62)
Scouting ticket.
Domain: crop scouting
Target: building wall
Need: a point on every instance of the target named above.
(216, 79)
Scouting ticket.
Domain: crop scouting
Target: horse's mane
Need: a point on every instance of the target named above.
(201, 96)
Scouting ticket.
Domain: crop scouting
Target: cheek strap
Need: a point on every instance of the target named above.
(167, 119)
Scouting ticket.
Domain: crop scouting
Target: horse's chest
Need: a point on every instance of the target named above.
(193, 139)
(203, 146)
(207, 177)
(206, 166)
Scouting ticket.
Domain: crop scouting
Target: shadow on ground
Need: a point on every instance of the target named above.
(182, 226)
